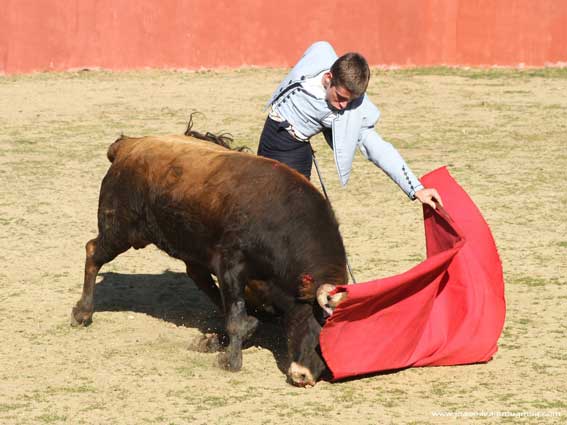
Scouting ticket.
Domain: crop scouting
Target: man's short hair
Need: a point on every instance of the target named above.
(351, 71)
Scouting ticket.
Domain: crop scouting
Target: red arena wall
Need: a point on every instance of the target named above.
(45, 35)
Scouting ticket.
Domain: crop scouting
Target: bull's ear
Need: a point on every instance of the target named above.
(327, 301)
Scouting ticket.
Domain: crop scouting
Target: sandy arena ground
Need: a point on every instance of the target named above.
(503, 135)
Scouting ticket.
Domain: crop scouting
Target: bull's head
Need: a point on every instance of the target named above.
(304, 326)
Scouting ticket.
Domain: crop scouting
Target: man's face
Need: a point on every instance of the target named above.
(337, 97)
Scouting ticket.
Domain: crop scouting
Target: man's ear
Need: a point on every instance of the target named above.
(328, 79)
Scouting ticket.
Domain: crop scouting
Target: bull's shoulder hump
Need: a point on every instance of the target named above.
(162, 146)
(182, 148)
(120, 146)
(179, 143)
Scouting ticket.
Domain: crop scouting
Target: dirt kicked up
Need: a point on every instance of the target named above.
(501, 133)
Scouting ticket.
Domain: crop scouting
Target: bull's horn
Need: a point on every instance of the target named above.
(329, 302)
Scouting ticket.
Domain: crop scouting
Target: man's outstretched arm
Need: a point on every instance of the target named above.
(386, 157)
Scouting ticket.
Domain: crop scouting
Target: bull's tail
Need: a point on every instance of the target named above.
(113, 148)
(223, 139)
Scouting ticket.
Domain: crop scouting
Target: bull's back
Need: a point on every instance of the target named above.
(189, 194)
(167, 173)
(169, 163)
(187, 169)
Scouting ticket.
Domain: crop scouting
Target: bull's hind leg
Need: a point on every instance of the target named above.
(98, 254)
(239, 326)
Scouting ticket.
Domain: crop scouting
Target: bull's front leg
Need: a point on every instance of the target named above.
(239, 326)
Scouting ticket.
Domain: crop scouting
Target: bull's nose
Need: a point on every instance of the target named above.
(300, 375)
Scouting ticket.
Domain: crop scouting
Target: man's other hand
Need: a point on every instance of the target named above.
(429, 196)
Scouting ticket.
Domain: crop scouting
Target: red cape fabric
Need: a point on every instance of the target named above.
(448, 310)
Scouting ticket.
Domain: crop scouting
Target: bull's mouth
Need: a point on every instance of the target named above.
(300, 376)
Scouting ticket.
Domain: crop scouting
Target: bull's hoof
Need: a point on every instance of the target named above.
(80, 318)
(207, 343)
(232, 363)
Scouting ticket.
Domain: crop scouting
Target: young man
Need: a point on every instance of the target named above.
(326, 93)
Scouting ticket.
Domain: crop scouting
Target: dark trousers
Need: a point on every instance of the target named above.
(276, 143)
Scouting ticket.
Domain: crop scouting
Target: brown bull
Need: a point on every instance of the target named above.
(237, 216)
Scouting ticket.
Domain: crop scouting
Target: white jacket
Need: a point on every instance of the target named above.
(353, 126)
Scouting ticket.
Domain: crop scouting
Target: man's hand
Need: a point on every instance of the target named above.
(429, 196)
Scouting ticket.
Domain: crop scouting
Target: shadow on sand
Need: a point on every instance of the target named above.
(174, 297)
